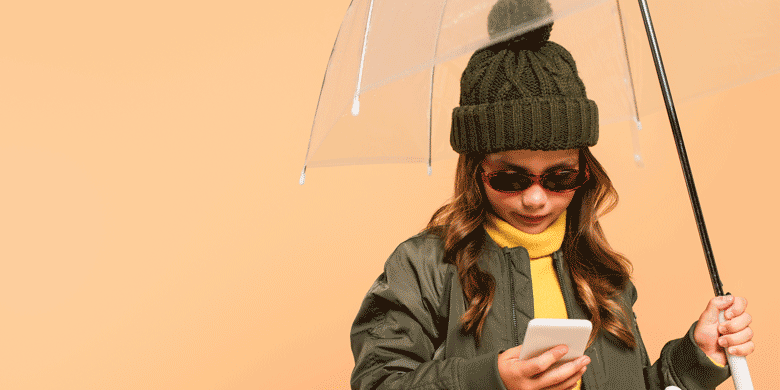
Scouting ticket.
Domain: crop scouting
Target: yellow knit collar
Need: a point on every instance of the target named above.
(538, 245)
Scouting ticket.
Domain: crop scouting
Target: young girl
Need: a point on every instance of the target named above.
(520, 239)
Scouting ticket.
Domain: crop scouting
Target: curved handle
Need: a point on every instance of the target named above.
(739, 367)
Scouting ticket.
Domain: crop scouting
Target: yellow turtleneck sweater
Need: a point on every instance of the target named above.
(548, 299)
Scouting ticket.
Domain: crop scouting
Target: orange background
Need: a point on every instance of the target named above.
(153, 234)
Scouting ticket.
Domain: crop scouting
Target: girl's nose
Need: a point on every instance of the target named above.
(534, 197)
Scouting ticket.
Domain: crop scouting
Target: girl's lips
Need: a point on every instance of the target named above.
(532, 219)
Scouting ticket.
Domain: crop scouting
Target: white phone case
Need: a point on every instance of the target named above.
(545, 333)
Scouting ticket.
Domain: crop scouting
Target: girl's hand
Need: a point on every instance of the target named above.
(735, 334)
(534, 374)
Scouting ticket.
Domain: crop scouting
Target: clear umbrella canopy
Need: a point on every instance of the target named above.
(394, 73)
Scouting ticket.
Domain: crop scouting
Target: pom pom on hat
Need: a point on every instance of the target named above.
(507, 15)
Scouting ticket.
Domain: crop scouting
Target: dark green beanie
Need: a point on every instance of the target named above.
(523, 93)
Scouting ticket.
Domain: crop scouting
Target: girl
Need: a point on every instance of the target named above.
(520, 239)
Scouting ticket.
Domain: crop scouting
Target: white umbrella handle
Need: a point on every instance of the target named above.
(739, 367)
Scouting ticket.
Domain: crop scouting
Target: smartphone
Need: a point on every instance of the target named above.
(545, 333)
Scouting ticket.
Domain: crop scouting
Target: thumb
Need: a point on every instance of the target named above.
(512, 353)
(714, 307)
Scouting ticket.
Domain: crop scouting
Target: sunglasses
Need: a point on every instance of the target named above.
(559, 180)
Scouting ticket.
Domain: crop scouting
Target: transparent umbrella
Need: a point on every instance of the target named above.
(393, 75)
(392, 79)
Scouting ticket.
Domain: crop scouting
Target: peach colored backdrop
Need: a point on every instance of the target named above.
(153, 234)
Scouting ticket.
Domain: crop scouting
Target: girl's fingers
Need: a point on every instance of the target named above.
(714, 306)
(735, 324)
(568, 383)
(737, 307)
(571, 382)
(735, 339)
(536, 373)
(541, 363)
(734, 334)
(742, 349)
(558, 377)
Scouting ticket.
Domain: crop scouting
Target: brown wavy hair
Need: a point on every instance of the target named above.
(599, 273)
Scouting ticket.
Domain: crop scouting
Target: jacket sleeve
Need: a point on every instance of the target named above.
(682, 363)
(401, 324)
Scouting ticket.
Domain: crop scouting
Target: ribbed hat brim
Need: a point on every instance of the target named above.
(535, 123)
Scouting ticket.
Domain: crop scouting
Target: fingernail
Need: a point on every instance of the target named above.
(585, 360)
(722, 342)
(732, 350)
(729, 314)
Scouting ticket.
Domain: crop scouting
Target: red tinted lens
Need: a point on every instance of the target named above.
(509, 181)
(562, 180)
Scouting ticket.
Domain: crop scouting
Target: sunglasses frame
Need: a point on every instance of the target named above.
(535, 179)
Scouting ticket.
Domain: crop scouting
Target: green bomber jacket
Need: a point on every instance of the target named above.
(407, 332)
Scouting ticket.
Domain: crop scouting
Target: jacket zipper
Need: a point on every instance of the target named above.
(559, 271)
(515, 336)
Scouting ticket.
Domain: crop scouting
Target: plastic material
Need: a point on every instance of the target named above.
(386, 50)
(739, 368)
(356, 106)
(356, 100)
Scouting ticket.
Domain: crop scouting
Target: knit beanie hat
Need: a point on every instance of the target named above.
(522, 93)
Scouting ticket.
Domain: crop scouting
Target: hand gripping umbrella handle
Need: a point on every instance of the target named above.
(739, 368)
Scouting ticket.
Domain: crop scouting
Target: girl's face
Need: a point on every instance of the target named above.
(534, 209)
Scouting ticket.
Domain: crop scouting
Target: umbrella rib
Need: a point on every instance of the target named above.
(430, 100)
(637, 125)
(302, 178)
(628, 64)
(356, 99)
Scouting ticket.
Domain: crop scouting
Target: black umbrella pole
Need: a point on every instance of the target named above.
(686, 167)
(737, 364)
